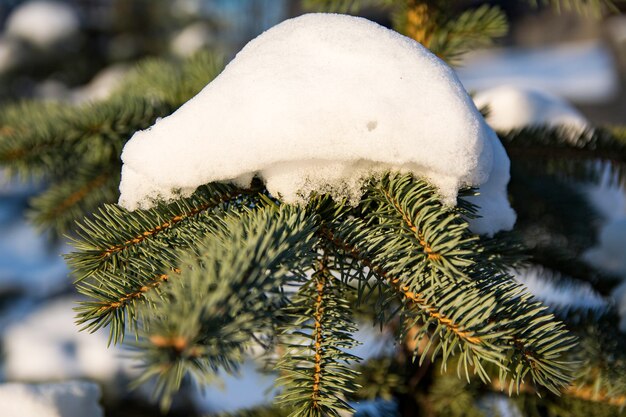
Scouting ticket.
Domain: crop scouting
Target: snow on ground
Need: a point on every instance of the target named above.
(29, 264)
(47, 345)
(63, 399)
(307, 108)
(44, 23)
(511, 107)
(582, 72)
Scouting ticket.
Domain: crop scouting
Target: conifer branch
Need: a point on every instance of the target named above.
(58, 207)
(114, 234)
(230, 288)
(532, 340)
(147, 244)
(416, 299)
(315, 372)
(566, 153)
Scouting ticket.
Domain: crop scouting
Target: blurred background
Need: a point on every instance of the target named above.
(78, 51)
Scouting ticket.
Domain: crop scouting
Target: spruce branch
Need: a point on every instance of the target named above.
(58, 207)
(231, 287)
(474, 28)
(316, 375)
(123, 256)
(456, 330)
(480, 312)
(566, 153)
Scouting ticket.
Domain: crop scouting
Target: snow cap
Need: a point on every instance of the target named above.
(318, 103)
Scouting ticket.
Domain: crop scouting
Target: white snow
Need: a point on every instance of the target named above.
(45, 23)
(102, 85)
(512, 107)
(610, 253)
(191, 39)
(580, 71)
(608, 198)
(63, 399)
(29, 263)
(47, 345)
(558, 294)
(316, 104)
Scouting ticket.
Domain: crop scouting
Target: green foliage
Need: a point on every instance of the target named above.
(451, 288)
(461, 404)
(227, 294)
(567, 153)
(122, 255)
(75, 150)
(446, 32)
(435, 275)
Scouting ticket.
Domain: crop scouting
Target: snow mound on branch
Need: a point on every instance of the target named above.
(44, 23)
(64, 399)
(516, 107)
(317, 104)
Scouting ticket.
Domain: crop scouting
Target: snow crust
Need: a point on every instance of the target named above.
(44, 23)
(513, 107)
(64, 399)
(317, 104)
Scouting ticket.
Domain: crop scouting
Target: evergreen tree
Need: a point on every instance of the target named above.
(202, 280)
